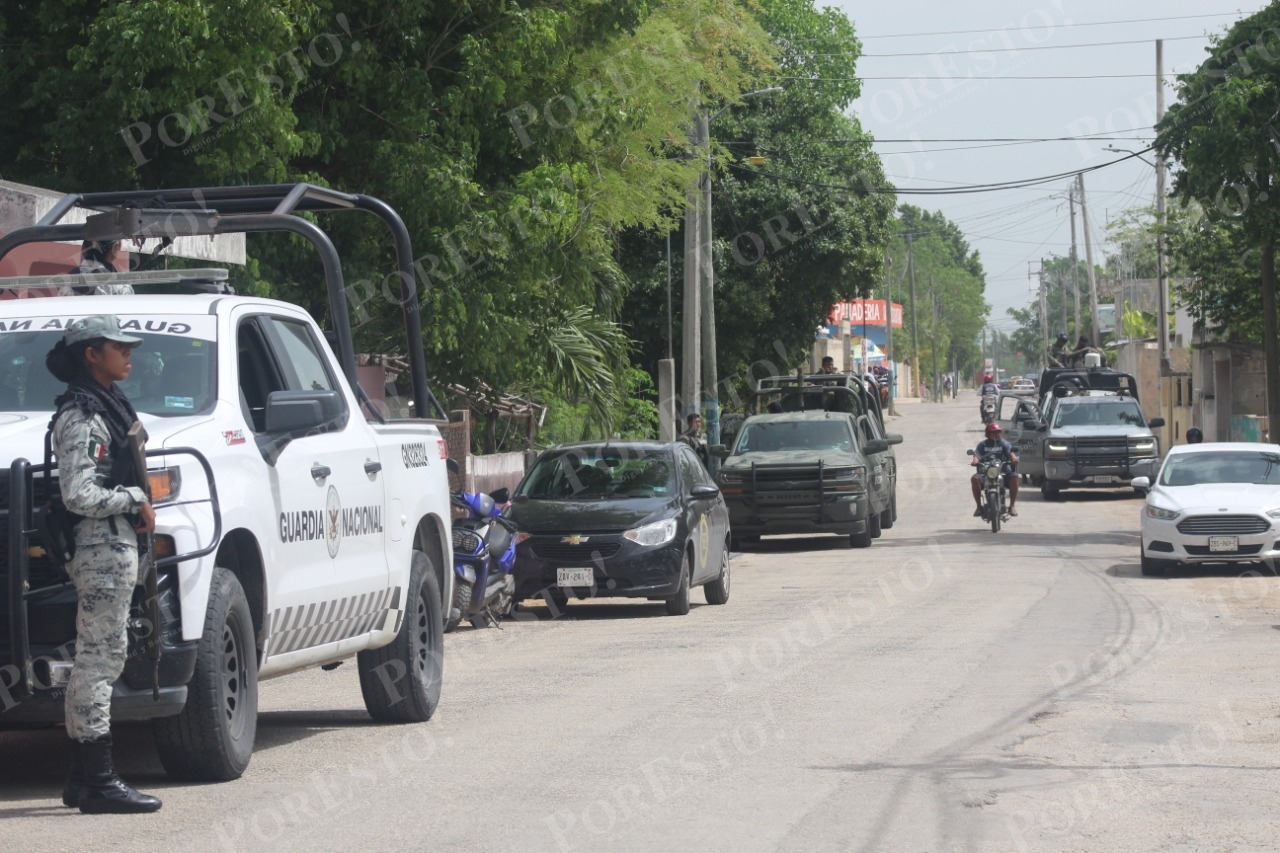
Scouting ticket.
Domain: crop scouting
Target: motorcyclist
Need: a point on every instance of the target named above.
(995, 445)
(988, 387)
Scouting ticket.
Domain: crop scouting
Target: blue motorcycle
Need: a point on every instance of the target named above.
(484, 556)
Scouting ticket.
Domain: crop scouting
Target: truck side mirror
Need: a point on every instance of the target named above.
(295, 413)
(893, 437)
(875, 445)
(719, 451)
(1155, 423)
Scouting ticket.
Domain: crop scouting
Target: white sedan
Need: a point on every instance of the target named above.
(1023, 386)
(1212, 503)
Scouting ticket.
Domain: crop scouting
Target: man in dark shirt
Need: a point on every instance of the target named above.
(995, 445)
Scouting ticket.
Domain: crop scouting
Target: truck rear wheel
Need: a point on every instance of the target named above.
(401, 681)
(211, 739)
(1050, 491)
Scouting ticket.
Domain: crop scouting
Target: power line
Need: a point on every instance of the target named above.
(964, 79)
(997, 49)
(1065, 26)
(979, 147)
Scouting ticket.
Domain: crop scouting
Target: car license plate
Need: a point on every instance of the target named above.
(1224, 543)
(574, 577)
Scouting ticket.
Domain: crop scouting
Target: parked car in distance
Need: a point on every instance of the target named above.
(1212, 503)
(637, 519)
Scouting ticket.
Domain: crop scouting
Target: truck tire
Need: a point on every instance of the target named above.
(717, 591)
(890, 515)
(678, 604)
(401, 681)
(461, 600)
(740, 543)
(211, 739)
(861, 540)
(874, 526)
(1050, 491)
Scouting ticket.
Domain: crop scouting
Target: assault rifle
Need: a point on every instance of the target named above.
(147, 556)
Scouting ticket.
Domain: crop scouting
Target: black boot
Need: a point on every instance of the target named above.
(75, 779)
(104, 792)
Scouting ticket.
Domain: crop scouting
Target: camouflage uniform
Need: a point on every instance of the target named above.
(104, 569)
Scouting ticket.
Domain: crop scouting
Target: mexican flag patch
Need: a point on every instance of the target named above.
(97, 450)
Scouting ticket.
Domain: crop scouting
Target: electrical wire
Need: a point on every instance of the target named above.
(998, 49)
(956, 190)
(1065, 26)
(966, 79)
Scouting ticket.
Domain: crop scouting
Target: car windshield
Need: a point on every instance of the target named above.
(172, 371)
(1222, 466)
(772, 436)
(1109, 413)
(600, 472)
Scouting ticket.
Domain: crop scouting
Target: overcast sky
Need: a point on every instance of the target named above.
(991, 43)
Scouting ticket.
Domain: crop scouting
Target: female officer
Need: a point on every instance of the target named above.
(96, 478)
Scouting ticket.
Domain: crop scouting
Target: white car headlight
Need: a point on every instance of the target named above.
(1273, 513)
(1160, 512)
(658, 533)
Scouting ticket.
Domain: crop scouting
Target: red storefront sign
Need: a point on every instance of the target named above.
(865, 312)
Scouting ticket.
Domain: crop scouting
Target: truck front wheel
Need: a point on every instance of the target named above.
(401, 680)
(211, 740)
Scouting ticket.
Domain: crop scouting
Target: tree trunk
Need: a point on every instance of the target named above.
(1269, 335)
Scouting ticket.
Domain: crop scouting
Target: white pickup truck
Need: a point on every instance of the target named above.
(298, 524)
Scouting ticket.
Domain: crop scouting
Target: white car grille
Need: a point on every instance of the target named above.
(1223, 525)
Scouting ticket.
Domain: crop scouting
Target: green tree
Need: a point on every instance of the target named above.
(1219, 133)
(794, 233)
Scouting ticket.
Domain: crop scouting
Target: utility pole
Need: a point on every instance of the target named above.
(691, 338)
(1044, 315)
(1162, 282)
(933, 344)
(1075, 263)
(711, 396)
(1096, 336)
(915, 335)
(888, 334)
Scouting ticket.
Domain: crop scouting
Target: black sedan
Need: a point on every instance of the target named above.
(635, 519)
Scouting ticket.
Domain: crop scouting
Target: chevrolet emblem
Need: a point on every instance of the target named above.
(575, 539)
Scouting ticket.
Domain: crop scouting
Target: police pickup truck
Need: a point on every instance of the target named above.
(299, 523)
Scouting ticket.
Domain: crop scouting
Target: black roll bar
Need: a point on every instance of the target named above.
(263, 207)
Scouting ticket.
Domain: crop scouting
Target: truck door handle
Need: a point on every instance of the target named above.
(320, 472)
(372, 468)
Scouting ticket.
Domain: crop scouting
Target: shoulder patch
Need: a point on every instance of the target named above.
(97, 450)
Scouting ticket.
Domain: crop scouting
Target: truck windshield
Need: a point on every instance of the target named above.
(1109, 413)
(597, 472)
(770, 436)
(1248, 466)
(173, 370)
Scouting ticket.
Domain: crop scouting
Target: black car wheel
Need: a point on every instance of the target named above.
(861, 540)
(874, 525)
(717, 591)
(1151, 568)
(678, 604)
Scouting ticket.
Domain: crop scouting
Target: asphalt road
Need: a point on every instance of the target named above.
(946, 690)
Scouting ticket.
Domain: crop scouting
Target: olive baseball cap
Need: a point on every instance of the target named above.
(98, 326)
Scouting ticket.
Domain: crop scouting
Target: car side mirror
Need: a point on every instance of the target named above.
(1141, 482)
(501, 496)
(703, 492)
(969, 452)
(1038, 426)
(1155, 423)
(719, 451)
(452, 466)
(893, 437)
(875, 445)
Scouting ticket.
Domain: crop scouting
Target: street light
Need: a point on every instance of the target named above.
(703, 281)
